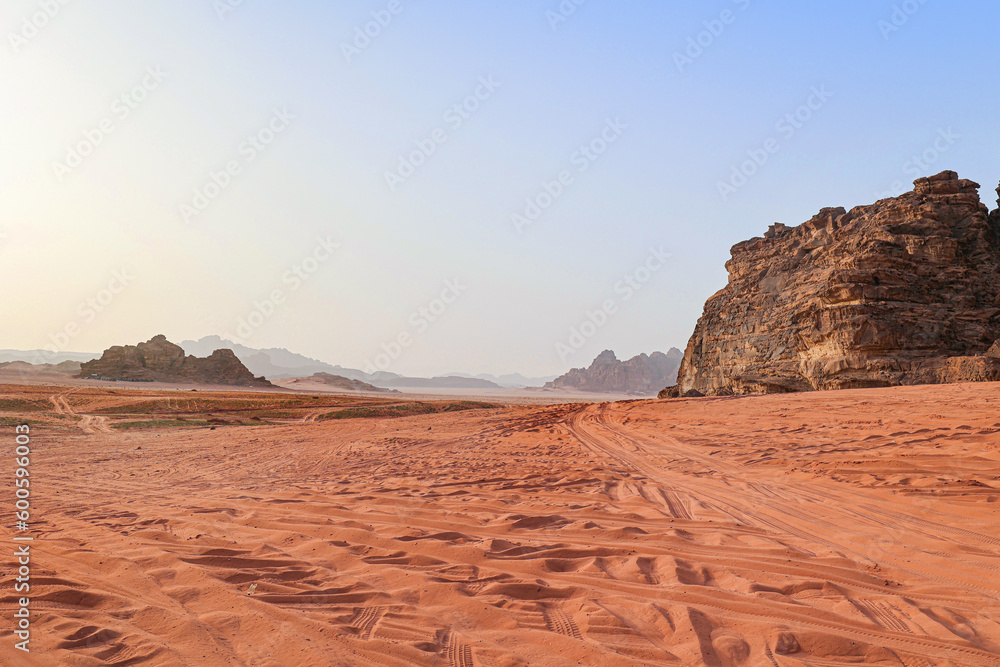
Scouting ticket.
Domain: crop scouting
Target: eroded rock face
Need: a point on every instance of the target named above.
(160, 360)
(641, 375)
(904, 291)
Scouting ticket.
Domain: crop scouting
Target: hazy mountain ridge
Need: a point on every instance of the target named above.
(340, 382)
(281, 364)
(513, 380)
(275, 363)
(42, 357)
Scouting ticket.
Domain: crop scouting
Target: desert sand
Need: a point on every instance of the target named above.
(508, 395)
(835, 528)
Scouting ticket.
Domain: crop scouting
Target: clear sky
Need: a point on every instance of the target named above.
(116, 114)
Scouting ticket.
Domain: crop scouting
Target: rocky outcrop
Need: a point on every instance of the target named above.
(903, 291)
(642, 375)
(162, 361)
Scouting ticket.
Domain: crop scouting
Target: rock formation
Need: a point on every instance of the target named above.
(903, 291)
(642, 375)
(162, 361)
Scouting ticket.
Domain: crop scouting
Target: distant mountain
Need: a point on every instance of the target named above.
(511, 380)
(10, 367)
(275, 363)
(45, 356)
(280, 364)
(641, 375)
(340, 382)
(449, 382)
(22, 371)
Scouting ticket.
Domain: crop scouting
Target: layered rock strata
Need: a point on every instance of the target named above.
(642, 375)
(903, 291)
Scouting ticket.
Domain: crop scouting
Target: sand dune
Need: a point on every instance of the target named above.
(820, 529)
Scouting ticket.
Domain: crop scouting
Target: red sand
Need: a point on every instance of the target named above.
(843, 528)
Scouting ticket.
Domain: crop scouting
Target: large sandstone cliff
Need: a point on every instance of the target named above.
(160, 360)
(642, 375)
(904, 291)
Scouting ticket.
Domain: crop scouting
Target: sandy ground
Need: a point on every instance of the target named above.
(511, 396)
(527, 396)
(68, 380)
(821, 529)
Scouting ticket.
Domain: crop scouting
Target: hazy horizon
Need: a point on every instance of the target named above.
(182, 167)
(50, 356)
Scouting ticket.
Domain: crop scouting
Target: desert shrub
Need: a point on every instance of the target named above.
(403, 410)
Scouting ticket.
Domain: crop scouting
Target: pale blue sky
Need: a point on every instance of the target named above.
(681, 130)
